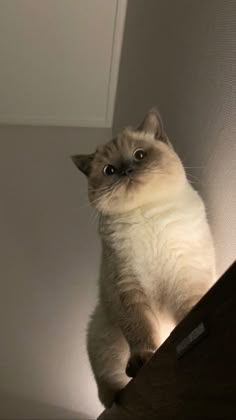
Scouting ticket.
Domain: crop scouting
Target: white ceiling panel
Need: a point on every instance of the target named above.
(59, 61)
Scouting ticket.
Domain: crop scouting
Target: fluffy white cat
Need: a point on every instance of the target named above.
(158, 255)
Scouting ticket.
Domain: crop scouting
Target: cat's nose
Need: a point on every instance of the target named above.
(126, 171)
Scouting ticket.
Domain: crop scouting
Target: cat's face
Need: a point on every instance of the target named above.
(136, 168)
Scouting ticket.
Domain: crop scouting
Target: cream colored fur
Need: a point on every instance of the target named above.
(157, 262)
(169, 250)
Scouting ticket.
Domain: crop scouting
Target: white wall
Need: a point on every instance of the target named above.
(49, 256)
(181, 56)
(59, 61)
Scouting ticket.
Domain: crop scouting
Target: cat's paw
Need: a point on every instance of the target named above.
(136, 361)
(109, 396)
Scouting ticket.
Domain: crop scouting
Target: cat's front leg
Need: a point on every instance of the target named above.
(138, 323)
(136, 361)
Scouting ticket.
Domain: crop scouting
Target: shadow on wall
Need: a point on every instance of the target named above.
(15, 406)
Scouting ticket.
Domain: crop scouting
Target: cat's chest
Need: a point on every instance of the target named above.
(142, 242)
(143, 247)
(153, 249)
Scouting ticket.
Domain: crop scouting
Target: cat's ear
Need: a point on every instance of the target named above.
(153, 125)
(83, 163)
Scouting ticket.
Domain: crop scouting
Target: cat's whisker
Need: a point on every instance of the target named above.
(100, 198)
(102, 190)
(194, 167)
(99, 189)
(194, 177)
(84, 206)
(94, 216)
(104, 204)
(194, 183)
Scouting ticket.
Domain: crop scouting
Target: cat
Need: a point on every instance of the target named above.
(157, 250)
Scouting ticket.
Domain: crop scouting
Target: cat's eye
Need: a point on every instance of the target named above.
(139, 154)
(109, 170)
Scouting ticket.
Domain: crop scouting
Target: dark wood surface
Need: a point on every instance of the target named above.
(193, 374)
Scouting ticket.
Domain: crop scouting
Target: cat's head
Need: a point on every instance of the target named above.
(136, 168)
